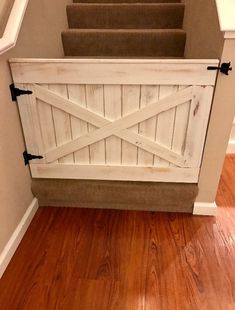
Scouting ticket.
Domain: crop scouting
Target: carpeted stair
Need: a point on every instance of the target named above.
(127, 28)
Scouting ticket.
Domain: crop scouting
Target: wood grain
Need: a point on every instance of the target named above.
(112, 126)
(226, 190)
(125, 260)
(114, 71)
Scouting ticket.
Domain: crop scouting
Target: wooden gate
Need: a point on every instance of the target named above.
(142, 120)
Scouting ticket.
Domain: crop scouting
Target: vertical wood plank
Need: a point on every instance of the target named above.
(47, 124)
(149, 94)
(79, 128)
(165, 124)
(197, 126)
(180, 127)
(130, 103)
(95, 103)
(31, 122)
(113, 111)
(62, 123)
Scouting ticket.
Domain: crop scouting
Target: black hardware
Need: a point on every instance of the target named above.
(28, 157)
(16, 92)
(225, 68)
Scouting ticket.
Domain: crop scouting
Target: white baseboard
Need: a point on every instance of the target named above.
(205, 208)
(17, 236)
(231, 147)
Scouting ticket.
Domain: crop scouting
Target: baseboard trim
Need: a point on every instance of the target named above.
(16, 237)
(205, 208)
(231, 147)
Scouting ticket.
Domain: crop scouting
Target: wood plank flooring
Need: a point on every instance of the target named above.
(80, 259)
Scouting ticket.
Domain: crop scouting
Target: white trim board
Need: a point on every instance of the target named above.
(205, 208)
(226, 14)
(13, 26)
(14, 241)
(117, 173)
(231, 147)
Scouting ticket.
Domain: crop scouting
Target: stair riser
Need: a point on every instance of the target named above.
(124, 44)
(176, 197)
(127, 1)
(125, 16)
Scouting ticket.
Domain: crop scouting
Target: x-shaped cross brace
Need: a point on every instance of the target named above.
(107, 128)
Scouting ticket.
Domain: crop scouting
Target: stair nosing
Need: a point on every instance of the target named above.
(123, 30)
(128, 2)
(124, 4)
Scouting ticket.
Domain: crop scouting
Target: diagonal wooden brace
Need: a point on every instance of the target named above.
(117, 128)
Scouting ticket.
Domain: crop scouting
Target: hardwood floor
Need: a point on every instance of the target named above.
(226, 190)
(80, 259)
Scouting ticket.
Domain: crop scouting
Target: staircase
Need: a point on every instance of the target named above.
(121, 29)
(126, 28)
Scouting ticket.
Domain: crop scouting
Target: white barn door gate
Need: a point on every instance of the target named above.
(143, 120)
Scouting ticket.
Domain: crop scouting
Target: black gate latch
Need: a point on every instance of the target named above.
(16, 92)
(224, 68)
(28, 157)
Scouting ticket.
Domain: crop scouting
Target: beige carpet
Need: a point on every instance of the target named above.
(114, 16)
(125, 29)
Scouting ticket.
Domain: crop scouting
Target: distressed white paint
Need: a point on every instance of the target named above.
(116, 131)
(121, 173)
(114, 71)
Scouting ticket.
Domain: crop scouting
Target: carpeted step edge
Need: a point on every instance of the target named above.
(127, 1)
(140, 16)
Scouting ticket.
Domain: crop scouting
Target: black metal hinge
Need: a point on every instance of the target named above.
(28, 157)
(224, 68)
(16, 92)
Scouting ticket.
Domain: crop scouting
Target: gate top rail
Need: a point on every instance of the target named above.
(114, 71)
(114, 60)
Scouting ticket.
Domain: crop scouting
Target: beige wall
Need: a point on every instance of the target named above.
(39, 37)
(5, 9)
(15, 194)
(40, 34)
(204, 39)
